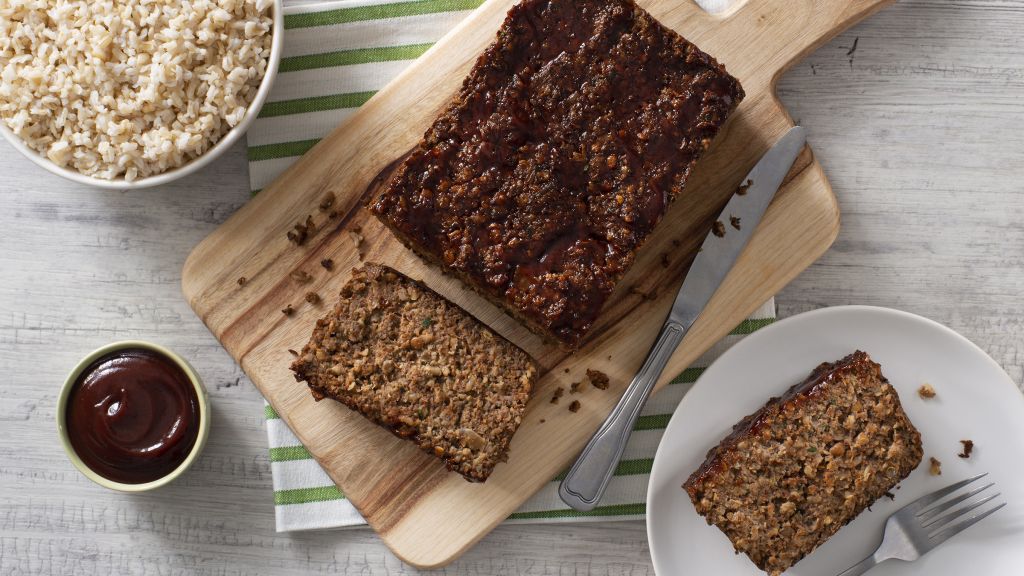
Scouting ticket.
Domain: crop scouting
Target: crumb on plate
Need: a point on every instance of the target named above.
(968, 448)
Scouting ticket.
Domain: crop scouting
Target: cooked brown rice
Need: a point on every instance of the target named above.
(129, 88)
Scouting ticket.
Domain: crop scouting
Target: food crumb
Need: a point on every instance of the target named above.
(735, 222)
(542, 420)
(300, 276)
(558, 394)
(293, 352)
(718, 228)
(302, 231)
(889, 495)
(242, 280)
(312, 297)
(742, 190)
(926, 391)
(598, 379)
(968, 448)
(566, 370)
(357, 238)
(327, 202)
(288, 310)
(574, 387)
(935, 468)
(327, 263)
(575, 406)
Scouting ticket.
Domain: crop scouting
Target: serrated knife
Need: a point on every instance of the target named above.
(587, 479)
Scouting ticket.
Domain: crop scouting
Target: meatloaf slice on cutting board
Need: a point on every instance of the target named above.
(406, 358)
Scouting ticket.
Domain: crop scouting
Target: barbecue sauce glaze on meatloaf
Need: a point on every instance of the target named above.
(569, 139)
(409, 360)
(794, 472)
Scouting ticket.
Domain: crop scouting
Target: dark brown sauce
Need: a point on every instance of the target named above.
(133, 416)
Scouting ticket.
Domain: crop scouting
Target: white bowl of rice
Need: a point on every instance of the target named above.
(128, 94)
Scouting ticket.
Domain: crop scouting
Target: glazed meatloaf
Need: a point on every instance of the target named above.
(406, 358)
(571, 136)
(794, 472)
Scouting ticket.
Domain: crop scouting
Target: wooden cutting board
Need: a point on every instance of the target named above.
(426, 515)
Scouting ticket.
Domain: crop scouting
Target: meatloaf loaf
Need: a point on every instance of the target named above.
(406, 358)
(570, 137)
(794, 472)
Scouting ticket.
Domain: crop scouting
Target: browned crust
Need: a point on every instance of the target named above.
(417, 365)
(858, 364)
(541, 180)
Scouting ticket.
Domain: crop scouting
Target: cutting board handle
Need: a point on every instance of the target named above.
(763, 38)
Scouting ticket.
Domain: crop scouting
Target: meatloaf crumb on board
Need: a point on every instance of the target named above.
(409, 360)
(794, 472)
(569, 139)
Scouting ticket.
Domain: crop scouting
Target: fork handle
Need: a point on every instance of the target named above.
(860, 567)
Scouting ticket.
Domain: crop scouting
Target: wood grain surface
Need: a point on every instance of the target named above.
(425, 514)
(919, 131)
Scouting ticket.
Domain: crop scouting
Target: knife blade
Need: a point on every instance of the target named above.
(586, 481)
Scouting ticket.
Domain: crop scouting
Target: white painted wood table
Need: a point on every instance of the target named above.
(921, 129)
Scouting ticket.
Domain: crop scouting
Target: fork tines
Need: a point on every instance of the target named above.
(929, 509)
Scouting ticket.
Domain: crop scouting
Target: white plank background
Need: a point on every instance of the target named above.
(921, 130)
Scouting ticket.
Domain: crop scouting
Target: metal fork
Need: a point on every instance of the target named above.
(921, 525)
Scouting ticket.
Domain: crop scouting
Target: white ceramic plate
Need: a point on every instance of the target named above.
(976, 400)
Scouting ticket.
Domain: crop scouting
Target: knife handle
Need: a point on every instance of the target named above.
(587, 479)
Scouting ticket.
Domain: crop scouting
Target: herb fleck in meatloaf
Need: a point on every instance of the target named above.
(406, 358)
(569, 139)
(794, 472)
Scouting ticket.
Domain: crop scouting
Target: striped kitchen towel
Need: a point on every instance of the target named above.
(336, 55)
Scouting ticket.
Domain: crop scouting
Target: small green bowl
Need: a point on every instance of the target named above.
(65, 391)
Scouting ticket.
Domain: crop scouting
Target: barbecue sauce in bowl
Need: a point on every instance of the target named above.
(133, 416)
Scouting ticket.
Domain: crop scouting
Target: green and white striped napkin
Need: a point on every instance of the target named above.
(336, 55)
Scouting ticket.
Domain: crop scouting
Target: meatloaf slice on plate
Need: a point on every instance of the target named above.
(807, 463)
